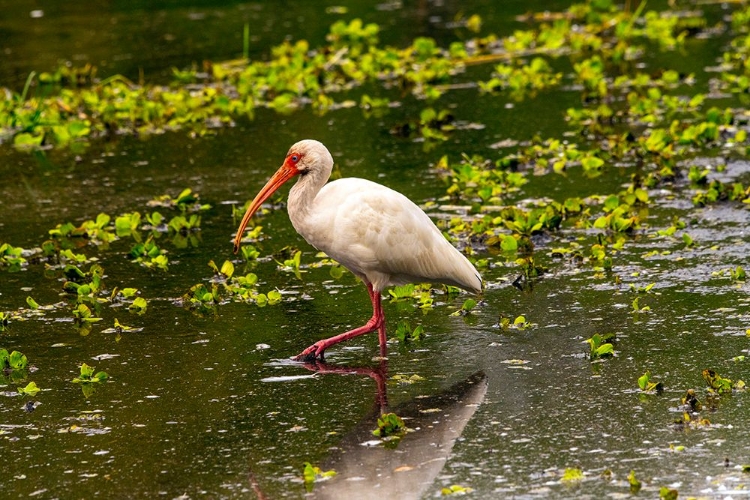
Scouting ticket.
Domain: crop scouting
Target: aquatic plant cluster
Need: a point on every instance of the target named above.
(597, 39)
(654, 124)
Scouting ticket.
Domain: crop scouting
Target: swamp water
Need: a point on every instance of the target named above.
(203, 403)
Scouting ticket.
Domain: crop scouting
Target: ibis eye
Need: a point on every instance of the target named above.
(295, 158)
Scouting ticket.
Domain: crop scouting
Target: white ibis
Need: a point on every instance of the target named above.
(375, 232)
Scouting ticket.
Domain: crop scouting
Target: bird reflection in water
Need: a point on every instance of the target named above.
(366, 469)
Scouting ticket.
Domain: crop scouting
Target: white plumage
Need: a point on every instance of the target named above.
(374, 231)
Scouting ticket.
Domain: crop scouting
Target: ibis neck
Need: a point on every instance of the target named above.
(302, 195)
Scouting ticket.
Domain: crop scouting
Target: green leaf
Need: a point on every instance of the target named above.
(509, 243)
(17, 360)
(274, 297)
(643, 380)
(139, 305)
(26, 140)
(668, 494)
(456, 489)
(86, 371)
(572, 474)
(468, 305)
(309, 473)
(401, 291)
(227, 269)
(30, 390)
(336, 272)
(128, 292)
(605, 350)
(390, 424)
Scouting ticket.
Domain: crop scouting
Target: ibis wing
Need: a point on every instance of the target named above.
(383, 237)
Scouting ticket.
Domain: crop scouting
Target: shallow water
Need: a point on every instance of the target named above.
(207, 405)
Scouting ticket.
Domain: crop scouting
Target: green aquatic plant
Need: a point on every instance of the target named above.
(89, 379)
(691, 401)
(149, 255)
(455, 489)
(405, 334)
(30, 390)
(87, 375)
(642, 290)
(11, 257)
(186, 201)
(521, 79)
(183, 225)
(202, 296)
(720, 385)
(295, 74)
(601, 346)
(127, 225)
(638, 308)
(530, 268)
(572, 474)
(139, 305)
(13, 365)
(390, 425)
(645, 384)
(86, 286)
(226, 271)
(84, 315)
(466, 308)
(738, 274)
(118, 329)
(402, 379)
(97, 231)
(311, 474)
(401, 292)
(666, 493)
(292, 264)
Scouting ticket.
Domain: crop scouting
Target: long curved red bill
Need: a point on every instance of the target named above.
(283, 174)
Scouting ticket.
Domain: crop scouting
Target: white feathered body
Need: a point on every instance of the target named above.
(376, 233)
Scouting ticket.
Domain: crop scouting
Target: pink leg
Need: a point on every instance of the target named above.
(377, 322)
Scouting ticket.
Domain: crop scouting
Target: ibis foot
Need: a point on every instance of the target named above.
(312, 353)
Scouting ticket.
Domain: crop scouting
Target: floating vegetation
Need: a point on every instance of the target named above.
(88, 376)
(466, 308)
(88, 379)
(572, 474)
(405, 334)
(311, 474)
(402, 379)
(13, 365)
(646, 385)
(227, 287)
(601, 346)
(656, 148)
(456, 489)
(30, 390)
(720, 385)
(296, 75)
(634, 483)
(519, 323)
(118, 329)
(391, 428)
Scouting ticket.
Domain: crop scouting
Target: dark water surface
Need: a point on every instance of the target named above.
(206, 405)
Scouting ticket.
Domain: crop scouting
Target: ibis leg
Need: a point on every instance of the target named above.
(376, 322)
